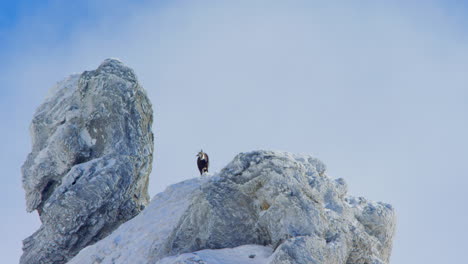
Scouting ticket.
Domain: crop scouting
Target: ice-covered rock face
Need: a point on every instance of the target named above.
(90, 162)
(276, 200)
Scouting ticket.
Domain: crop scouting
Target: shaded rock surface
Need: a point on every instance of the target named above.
(264, 202)
(90, 161)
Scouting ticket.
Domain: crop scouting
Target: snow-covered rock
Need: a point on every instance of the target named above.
(251, 254)
(264, 207)
(90, 161)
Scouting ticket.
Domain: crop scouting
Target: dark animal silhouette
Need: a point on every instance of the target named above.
(202, 162)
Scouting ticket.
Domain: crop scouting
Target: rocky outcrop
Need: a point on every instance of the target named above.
(90, 161)
(265, 206)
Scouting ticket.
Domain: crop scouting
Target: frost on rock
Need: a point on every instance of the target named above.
(251, 254)
(263, 207)
(92, 149)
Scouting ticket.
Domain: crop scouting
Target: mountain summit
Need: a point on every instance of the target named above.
(87, 177)
(263, 207)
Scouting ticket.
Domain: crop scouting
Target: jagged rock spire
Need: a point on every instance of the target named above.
(90, 161)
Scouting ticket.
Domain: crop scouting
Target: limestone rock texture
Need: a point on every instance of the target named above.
(264, 207)
(92, 151)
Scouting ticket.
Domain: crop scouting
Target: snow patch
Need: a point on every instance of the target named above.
(135, 241)
(246, 254)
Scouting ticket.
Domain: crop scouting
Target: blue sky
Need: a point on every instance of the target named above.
(377, 91)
